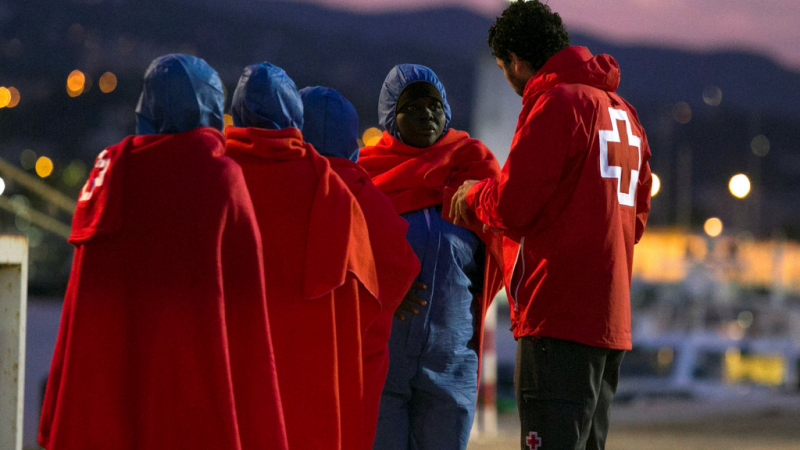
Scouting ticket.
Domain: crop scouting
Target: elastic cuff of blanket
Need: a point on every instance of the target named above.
(474, 192)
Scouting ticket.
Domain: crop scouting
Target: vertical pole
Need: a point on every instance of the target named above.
(777, 292)
(13, 313)
(489, 372)
(684, 188)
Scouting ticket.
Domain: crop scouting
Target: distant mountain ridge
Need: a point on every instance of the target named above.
(747, 80)
(41, 41)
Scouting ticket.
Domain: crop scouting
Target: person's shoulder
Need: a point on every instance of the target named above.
(226, 167)
(629, 107)
(464, 139)
(568, 93)
(226, 173)
(353, 175)
(570, 100)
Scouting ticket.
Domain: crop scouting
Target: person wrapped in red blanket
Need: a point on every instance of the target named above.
(435, 352)
(164, 340)
(331, 126)
(322, 287)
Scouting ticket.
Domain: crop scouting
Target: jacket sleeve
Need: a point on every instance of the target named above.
(533, 169)
(643, 191)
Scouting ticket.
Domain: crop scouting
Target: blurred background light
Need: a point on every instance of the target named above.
(74, 173)
(125, 44)
(2, 185)
(35, 237)
(75, 80)
(760, 145)
(739, 185)
(665, 356)
(371, 136)
(28, 159)
(22, 220)
(44, 166)
(745, 319)
(712, 96)
(713, 227)
(656, 186)
(5, 97)
(75, 83)
(682, 112)
(14, 101)
(20, 202)
(76, 33)
(107, 82)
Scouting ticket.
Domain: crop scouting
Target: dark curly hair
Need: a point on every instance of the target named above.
(530, 30)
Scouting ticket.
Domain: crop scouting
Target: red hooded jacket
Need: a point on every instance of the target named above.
(322, 286)
(397, 266)
(573, 200)
(164, 340)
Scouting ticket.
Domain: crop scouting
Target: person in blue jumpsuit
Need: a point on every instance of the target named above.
(428, 401)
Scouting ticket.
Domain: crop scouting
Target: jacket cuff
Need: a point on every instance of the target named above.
(473, 194)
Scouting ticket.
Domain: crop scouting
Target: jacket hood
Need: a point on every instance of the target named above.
(576, 65)
(266, 98)
(398, 79)
(330, 123)
(180, 93)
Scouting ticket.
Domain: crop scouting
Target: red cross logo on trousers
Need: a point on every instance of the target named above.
(621, 156)
(533, 441)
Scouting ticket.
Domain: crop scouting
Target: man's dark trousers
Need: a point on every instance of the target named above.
(564, 393)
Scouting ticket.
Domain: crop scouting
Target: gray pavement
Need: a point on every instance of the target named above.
(745, 423)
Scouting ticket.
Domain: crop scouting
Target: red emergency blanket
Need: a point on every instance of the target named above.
(322, 286)
(415, 178)
(397, 266)
(164, 340)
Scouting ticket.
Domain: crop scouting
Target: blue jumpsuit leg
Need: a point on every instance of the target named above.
(428, 402)
(442, 413)
(406, 344)
(393, 428)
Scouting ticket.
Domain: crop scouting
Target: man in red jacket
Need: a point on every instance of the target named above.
(573, 200)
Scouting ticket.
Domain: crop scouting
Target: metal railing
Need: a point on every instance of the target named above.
(43, 190)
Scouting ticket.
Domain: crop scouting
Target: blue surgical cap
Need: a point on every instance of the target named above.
(398, 79)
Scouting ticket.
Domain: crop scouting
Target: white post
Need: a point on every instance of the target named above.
(778, 292)
(13, 313)
(489, 372)
(485, 423)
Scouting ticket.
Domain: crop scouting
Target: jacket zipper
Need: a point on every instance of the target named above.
(514, 271)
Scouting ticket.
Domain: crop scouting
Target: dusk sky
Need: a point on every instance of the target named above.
(767, 26)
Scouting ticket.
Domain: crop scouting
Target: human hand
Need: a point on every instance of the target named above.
(489, 227)
(410, 301)
(458, 204)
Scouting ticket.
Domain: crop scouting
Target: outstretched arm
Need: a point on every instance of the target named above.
(531, 173)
